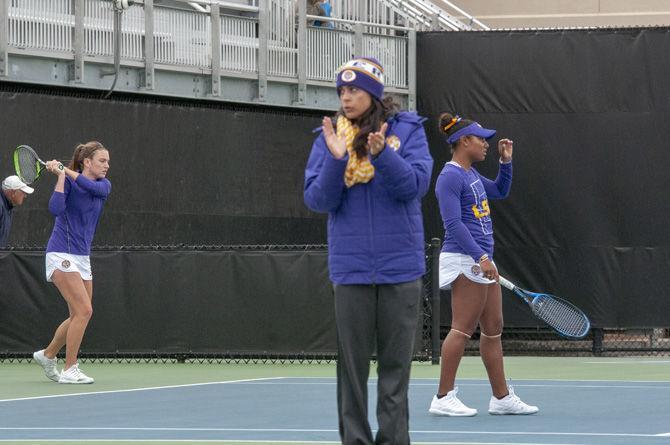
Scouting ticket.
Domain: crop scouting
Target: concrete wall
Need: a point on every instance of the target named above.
(566, 13)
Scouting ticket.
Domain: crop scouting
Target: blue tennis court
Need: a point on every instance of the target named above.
(302, 410)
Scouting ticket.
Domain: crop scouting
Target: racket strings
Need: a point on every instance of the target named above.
(28, 165)
(561, 316)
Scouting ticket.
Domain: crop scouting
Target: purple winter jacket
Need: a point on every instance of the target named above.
(375, 230)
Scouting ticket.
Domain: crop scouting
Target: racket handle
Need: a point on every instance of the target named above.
(61, 167)
(504, 282)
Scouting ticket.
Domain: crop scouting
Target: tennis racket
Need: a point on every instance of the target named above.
(564, 317)
(28, 164)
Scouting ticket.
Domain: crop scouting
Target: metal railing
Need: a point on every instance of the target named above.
(239, 44)
(186, 37)
(183, 37)
(267, 40)
(36, 24)
(392, 54)
(282, 39)
(327, 49)
(99, 30)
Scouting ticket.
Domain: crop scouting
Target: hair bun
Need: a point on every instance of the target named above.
(447, 121)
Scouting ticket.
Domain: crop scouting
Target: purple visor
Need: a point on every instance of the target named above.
(473, 129)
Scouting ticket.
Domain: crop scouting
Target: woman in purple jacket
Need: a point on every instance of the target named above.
(369, 169)
(77, 201)
(467, 267)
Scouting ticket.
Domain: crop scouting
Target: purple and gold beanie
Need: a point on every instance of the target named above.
(363, 72)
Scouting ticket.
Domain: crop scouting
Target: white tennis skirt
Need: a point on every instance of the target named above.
(454, 264)
(68, 263)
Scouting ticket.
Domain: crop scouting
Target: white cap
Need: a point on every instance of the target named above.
(14, 183)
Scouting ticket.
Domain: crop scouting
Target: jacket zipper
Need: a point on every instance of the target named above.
(372, 233)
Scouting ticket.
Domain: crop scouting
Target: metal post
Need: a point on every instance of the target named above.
(149, 44)
(435, 22)
(263, 37)
(598, 336)
(362, 11)
(118, 16)
(302, 52)
(78, 42)
(4, 34)
(435, 247)
(215, 18)
(358, 40)
(411, 70)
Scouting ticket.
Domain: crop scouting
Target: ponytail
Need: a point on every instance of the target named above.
(450, 124)
(75, 163)
(84, 151)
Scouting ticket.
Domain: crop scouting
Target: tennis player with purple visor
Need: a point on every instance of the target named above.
(467, 267)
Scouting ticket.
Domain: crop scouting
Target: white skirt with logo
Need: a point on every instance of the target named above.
(66, 262)
(454, 264)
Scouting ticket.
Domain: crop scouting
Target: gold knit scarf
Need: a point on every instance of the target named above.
(358, 171)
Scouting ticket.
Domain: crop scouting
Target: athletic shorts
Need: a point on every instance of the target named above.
(454, 264)
(68, 263)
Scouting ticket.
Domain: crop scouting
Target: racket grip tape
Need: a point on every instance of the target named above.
(504, 282)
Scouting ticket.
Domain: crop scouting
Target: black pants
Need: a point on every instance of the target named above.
(385, 317)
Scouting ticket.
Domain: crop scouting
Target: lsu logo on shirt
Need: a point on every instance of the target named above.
(481, 209)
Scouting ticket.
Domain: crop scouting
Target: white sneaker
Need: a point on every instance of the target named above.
(450, 405)
(48, 364)
(74, 375)
(510, 404)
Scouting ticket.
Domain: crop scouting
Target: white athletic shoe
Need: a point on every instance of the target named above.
(510, 404)
(48, 364)
(450, 405)
(73, 375)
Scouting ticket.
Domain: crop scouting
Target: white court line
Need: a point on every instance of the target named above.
(663, 435)
(628, 362)
(471, 379)
(532, 385)
(177, 441)
(267, 381)
(262, 441)
(152, 388)
(312, 430)
(274, 381)
(516, 385)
